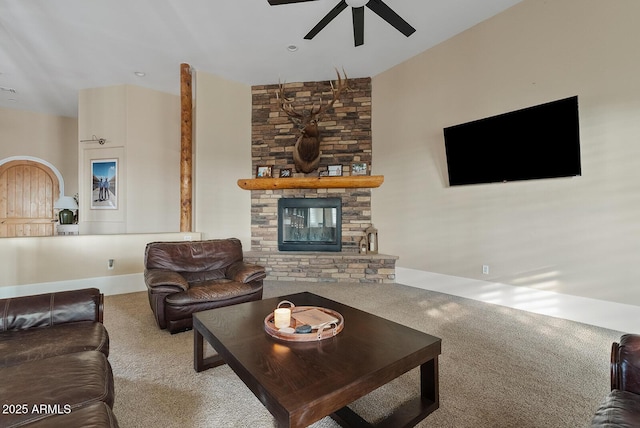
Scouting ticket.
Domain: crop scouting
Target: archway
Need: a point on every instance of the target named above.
(29, 188)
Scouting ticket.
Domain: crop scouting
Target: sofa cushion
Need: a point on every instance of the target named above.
(18, 346)
(621, 409)
(94, 415)
(73, 380)
(213, 290)
(43, 310)
(629, 363)
(193, 257)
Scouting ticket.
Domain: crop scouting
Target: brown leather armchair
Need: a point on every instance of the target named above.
(187, 277)
(621, 408)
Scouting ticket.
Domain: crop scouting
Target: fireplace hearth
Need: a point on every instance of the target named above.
(310, 224)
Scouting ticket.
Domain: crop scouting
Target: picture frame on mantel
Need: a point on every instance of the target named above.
(286, 173)
(334, 170)
(264, 171)
(104, 186)
(359, 168)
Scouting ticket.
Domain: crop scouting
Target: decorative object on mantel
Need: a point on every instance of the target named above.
(359, 168)
(66, 205)
(263, 171)
(372, 239)
(363, 245)
(348, 182)
(285, 173)
(306, 152)
(303, 323)
(334, 170)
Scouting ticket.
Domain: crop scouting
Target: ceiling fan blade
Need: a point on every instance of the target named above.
(358, 25)
(386, 13)
(277, 2)
(327, 19)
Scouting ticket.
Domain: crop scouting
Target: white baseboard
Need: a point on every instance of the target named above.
(610, 315)
(108, 285)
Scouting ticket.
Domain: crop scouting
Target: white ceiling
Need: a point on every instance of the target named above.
(50, 49)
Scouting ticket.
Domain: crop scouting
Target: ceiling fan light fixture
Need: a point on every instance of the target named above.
(356, 3)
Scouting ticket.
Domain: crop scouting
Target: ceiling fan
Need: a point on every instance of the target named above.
(357, 10)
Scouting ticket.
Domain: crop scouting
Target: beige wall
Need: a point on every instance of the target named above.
(29, 260)
(40, 265)
(52, 139)
(222, 156)
(142, 129)
(577, 236)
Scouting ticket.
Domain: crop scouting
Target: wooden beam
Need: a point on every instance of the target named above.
(352, 181)
(186, 149)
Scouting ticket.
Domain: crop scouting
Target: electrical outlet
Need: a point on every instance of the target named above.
(485, 269)
(110, 263)
(188, 238)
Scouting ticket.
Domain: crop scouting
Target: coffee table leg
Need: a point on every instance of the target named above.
(200, 363)
(429, 382)
(409, 413)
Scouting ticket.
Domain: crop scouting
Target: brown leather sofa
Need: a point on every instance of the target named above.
(621, 407)
(187, 277)
(53, 361)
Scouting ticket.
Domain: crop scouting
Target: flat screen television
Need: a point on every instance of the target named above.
(532, 143)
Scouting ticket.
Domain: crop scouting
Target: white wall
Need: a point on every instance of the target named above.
(577, 236)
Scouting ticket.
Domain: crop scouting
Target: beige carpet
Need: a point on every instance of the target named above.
(499, 367)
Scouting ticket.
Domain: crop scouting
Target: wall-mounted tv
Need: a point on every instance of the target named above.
(533, 143)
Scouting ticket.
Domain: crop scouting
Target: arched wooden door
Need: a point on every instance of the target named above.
(28, 190)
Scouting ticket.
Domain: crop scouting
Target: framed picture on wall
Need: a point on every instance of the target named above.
(104, 187)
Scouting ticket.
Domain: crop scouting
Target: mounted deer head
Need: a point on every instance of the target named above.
(306, 152)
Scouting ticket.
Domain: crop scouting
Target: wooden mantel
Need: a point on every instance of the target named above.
(352, 181)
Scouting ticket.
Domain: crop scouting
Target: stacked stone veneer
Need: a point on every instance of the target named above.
(325, 267)
(345, 138)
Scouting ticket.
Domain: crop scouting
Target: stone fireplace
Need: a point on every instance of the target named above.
(346, 131)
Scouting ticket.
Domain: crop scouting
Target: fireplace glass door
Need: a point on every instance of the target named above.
(309, 224)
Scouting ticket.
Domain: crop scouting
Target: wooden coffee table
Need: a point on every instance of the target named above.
(302, 382)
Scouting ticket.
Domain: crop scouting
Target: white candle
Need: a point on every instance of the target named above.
(282, 317)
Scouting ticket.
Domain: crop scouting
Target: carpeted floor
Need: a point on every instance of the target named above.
(499, 367)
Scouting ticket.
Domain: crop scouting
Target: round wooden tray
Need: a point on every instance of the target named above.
(324, 332)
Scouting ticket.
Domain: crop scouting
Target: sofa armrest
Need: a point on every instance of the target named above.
(625, 364)
(164, 280)
(45, 310)
(245, 272)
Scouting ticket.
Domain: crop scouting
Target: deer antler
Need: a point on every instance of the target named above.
(286, 103)
(343, 85)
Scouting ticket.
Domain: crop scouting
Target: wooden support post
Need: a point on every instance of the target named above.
(186, 149)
